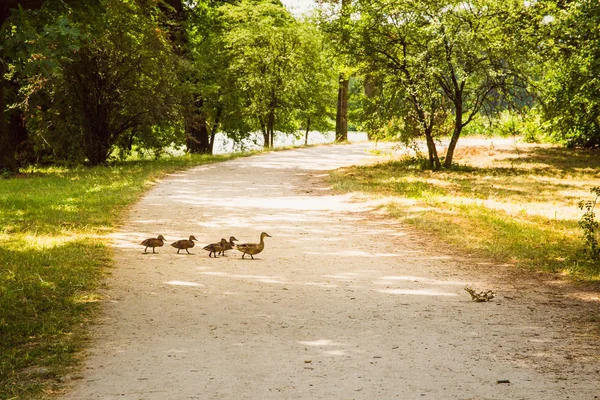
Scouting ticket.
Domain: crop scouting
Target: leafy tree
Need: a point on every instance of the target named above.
(214, 99)
(20, 49)
(317, 81)
(438, 59)
(262, 39)
(570, 85)
(337, 14)
(100, 100)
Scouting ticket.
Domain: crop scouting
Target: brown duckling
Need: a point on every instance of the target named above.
(154, 242)
(228, 245)
(215, 248)
(253, 248)
(184, 244)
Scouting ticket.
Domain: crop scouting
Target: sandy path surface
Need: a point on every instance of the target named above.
(342, 304)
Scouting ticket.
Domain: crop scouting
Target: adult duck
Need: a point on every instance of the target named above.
(253, 248)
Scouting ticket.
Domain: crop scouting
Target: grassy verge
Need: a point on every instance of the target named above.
(517, 205)
(52, 260)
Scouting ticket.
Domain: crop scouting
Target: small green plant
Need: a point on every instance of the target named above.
(588, 223)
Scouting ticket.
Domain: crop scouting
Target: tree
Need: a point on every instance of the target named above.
(437, 59)
(214, 99)
(570, 86)
(12, 127)
(100, 99)
(477, 58)
(337, 16)
(264, 46)
(317, 81)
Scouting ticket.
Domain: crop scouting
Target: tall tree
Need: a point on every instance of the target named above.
(98, 99)
(12, 125)
(570, 85)
(440, 58)
(317, 81)
(265, 47)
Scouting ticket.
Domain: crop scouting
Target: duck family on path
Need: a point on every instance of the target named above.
(214, 248)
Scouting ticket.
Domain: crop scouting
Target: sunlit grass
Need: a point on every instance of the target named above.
(517, 205)
(53, 255)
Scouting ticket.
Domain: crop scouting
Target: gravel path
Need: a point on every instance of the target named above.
(342, 303)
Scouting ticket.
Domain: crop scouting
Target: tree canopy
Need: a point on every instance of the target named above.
(91, 81)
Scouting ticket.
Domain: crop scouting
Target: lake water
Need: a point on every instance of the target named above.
(223, 145)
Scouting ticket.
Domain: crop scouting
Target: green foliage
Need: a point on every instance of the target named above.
(588, 223)
(569, 88)
(263, 44)
(430, 62)
(86, 75)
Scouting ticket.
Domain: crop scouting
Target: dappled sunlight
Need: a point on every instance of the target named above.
(325, 285)
(549, 210)
(25, 242)
(345, 276)
(257, 278)
(321, 343)
(181, 283)
(353, 253)
(385, 280)
(415, 292)
(335, 352)
(339, 203)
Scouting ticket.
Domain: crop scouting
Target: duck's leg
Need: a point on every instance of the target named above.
(178, 251)
(153, 252)
(243, 255)
(145, 249)
(188, 251)
(251, 256)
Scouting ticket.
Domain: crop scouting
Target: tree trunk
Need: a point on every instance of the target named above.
(452, 146)
(265, 131)
(270, 129)
(341, 119)
(198, 141)
(370, 87)
(434, 160)
(13, 132)
(458, 125)
(97, 137)
(307, 129)
(215, 126)
(7, 158)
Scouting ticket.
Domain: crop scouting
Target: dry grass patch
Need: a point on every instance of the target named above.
(517, 204)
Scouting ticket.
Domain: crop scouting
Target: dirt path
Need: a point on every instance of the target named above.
(342, 304)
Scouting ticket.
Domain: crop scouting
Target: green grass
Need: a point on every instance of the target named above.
(53, 258)
(515, 205)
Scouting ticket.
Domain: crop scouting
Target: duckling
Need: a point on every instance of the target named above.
(229, 245)
(184, 244)
(215, 248)
(152, 242)
(253, 248)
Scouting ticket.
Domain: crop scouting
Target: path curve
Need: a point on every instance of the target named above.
(342, 304)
